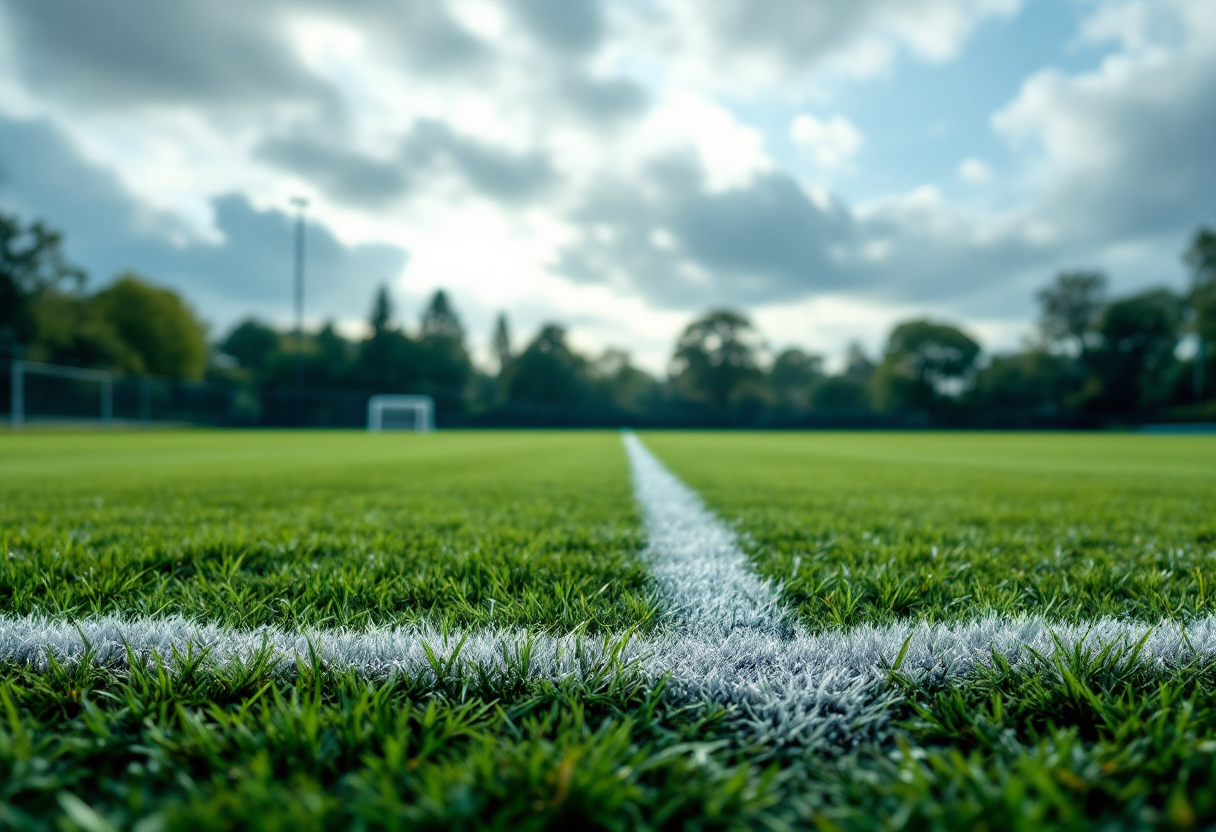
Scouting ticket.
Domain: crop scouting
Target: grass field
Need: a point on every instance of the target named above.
(508, 539)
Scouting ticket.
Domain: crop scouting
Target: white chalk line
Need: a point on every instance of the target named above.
(731, 639)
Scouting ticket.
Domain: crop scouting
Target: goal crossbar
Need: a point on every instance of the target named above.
(422, 407)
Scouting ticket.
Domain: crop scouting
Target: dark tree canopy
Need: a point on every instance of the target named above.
(548, 373)
(715, 356)
(1070, 307)
(252, 343)
(440, 319)
(157, 325)
(1138, 338)
(501, 344)
(924, 361)
(32, 265)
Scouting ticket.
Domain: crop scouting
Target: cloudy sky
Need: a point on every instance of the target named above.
(618, 165)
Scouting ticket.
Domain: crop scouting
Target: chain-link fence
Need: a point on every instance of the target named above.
(35, 393)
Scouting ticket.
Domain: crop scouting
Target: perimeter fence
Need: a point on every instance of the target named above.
(36, 393)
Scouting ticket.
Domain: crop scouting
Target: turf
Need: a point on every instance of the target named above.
(539, 531)
(324, 529)
(881, 527)
(874, 528)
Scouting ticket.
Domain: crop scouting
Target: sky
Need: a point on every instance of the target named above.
(618, 166)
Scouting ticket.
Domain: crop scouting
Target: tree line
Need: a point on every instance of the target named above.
(1095, 359)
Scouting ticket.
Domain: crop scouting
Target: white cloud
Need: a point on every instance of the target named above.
(832, 141)
(974, 171)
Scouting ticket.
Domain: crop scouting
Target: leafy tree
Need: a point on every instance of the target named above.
(501, 344)
(71, 329)
(792, 376)
(548, 373)
(1070, 307)
(715, 357)
(381, 320)
(388, 358)
(1201, 257)
(440, 319)
(1138, 336)
(1034, 380)
(32, 266)
(444, 367)
(840, 393)
(252, 343)
(622, 386)
(858, 365)
(157, 325)
(925, 363)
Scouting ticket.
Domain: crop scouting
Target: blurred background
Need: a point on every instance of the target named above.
(954, 213)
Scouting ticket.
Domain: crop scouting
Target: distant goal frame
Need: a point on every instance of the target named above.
(422, 406)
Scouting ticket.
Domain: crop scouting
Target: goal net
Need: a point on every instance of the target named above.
(401, 413)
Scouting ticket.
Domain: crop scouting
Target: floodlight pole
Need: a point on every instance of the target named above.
(300, 203)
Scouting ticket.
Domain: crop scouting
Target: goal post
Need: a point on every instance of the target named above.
(80, 395)
(415, 413)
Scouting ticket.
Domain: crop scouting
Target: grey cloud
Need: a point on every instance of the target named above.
(604, 100)
(107, 231)
(145, 51)
(503, 174)
(430, 147)
(211, 52)
(572, 26)
(794, 34)
(684, 246)
(341, 174)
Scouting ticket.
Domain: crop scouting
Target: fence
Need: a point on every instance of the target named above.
(47, 394)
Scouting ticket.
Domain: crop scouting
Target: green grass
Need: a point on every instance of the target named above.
(324, 528)
(333, 529)
(881, 527)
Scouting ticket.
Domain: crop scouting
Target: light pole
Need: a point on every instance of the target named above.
(300, 203)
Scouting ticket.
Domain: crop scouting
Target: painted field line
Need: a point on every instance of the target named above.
(826, 689)
(710, 589)
(731, 641)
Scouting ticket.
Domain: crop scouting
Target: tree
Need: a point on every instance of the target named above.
(925, 364)
(548, 373)
(715, 356)
(1201, 257)
(440, 319)
(382, 312)
(501, 344)
(840, 393)
(1070, 307)
(252, 343)
(444, 368)
(32, 265)
(792, 375)
(157, 325)
(858, 365)
(1034, 380)
(1137, 339)
(620, 385)
(387, 357)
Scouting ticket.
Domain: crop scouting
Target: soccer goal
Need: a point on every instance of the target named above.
(401, 413)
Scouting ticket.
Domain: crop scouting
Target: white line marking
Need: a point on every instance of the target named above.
(828, 689)
(710, 588)
(733, 642)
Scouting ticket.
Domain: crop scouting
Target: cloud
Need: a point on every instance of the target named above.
(1125, 150)
(144, 51)
(833, 141)
(775, 40)
(974, 171)
(245, 266)
(571, 26)
(430, 148)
